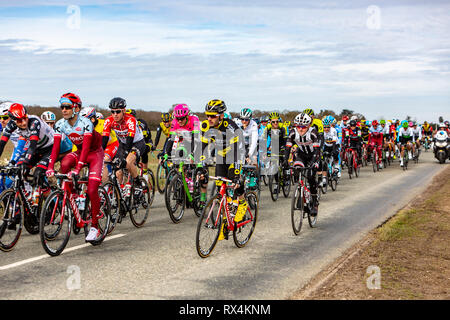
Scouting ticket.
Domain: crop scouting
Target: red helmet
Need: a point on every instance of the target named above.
(375, 123)
(17, 111)
(345, 118)
(76, 101)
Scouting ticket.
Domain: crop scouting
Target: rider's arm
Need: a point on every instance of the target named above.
(35, 129)
(158, 136)
(106, 132)
(57, 137)
(253, 140)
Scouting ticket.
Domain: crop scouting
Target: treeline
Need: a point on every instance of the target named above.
(153, 118)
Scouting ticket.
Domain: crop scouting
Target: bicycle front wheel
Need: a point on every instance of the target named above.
(114, 200)
(274, 187)
(141, 203)
(55, 223)
(244, 229)
(209, 227)
(104, 216)
(297, 208)
(11, 219)
(176, 199)
(161, 176)
(151, 185)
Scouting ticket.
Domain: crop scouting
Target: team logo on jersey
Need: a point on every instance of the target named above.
(75, 138)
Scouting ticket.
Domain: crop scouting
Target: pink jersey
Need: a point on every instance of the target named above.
(192, 125)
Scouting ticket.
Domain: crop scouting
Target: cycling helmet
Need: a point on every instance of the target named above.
(264, 119)
(100, 115)
(405, 124)
(309, 112)
(410, 124)
(302, 119)
(326, 122)
(181, 111)
(88, 112)
(4, 107)
(374, 123)
(166, 117)
(345, 118)
(132, 112)
(354, 118)
(382, 121)
(246, 113)
(117, 103)
(76, 101)
(17, 111)
(352, 123)
(215, 106)
(274, 116)
(48, 116)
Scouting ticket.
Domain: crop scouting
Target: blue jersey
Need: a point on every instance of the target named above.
(339, 133)
(76, 133)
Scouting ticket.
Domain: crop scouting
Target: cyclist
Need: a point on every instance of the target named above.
(39, 136)
(417, 131)
(376, 139)
(330, 144)
(164, 127)
(275, 135)
(228, 145)
(388, 145)
(80, 131)
(353, 139)
(307, 153)
(113, 143)
(339, 141)
(264, 120)
(19, 144)
(427, 130)
(250, 132)
(147, 138)
(131, 140)
(317, 123)
(405, 138)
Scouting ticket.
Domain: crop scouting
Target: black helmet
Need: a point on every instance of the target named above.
(117, 103)
(353, 123)
(215, 106)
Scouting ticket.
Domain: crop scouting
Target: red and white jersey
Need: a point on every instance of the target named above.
(128, 127)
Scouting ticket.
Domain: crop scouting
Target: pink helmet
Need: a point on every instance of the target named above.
(180, 110)
(410, 124)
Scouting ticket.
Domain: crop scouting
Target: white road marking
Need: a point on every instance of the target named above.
(20, 263)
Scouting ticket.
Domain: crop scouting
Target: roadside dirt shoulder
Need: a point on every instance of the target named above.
(408, 257)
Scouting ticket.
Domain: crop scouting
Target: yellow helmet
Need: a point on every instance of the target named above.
(274, 115)
(215, 106)
(166, 116)
(309, 112)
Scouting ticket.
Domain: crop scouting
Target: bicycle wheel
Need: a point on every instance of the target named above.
(172, 173)
(374, 161)
(350, 164)
(175, 197)
(151, 185)
(356, 166)
(244, 229)
(297, 209)
(55, 223)
(11, 214)
(333, 182)
(209, 226)
(114, 200)
(161, 177)
(31, 220)
(286, 184)
(312, 220)
(141, 203)
(274, 186)
(104, 216)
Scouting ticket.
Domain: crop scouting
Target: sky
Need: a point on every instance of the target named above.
(382, 58)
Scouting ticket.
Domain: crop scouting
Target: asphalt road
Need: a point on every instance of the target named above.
(159, 260)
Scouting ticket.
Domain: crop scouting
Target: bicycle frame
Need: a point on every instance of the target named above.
(223, 204)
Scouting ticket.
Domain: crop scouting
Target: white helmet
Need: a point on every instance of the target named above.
(354, 118)
(100, 115)
(88, 112)
(4, 107)
(48, 116)
(302, 119)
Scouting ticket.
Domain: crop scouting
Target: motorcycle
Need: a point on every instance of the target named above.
(441, 146)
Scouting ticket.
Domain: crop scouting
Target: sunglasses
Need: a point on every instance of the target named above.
(274, 121)
(212, 116)
(66, 107)
(328, 127)
(181, 119)
(245, 119)
(6, 117)
(20, 120)
(301, 127)
(116, 111)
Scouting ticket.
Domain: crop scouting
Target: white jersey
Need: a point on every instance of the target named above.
(330, 137)
(14, 138)
(250, 134)
(417, 132)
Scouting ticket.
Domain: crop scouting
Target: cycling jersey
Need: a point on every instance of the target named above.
(128, 127)
(417, 133)
(330, 137)
(250, 134)
(99, 128)
(317, 123)
(183, 136)
(271, 134)
(339, 133)
(365, 133)
(38, 133)
(405, 135)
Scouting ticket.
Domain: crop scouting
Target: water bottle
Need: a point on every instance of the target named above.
(307, 195)
(35, 197)
(81, 201)
(127, 189)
